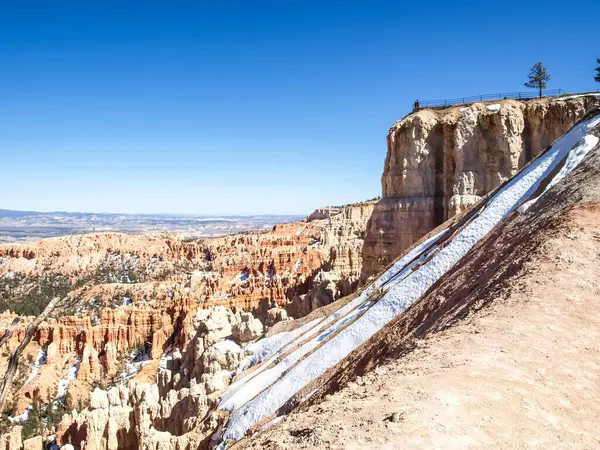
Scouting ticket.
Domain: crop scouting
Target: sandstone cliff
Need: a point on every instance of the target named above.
(440, 162)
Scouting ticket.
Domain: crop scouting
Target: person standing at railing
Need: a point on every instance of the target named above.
(416, 105)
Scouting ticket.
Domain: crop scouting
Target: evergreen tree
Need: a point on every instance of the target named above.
(597, 77)
(538, 76)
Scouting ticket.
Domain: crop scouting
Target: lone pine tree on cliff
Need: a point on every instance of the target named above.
(597, 77)
(538, 76)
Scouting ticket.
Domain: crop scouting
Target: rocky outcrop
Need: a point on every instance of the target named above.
(344, 235)
(34, 443)
(12, 440)
(78, 255)
(276, 315)
(176, 411)
(253, 271)
(250, 270)
(248, 329)
(440, 162)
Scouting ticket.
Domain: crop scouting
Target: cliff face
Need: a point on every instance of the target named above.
(440, 162)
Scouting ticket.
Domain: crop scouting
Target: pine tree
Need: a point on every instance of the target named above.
(538, 76)
(597, 77)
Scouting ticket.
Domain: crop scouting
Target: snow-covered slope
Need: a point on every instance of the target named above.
(291, 362)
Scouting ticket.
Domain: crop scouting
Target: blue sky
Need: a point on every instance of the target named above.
(238, 107)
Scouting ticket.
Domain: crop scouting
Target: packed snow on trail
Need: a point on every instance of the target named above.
(290, 361)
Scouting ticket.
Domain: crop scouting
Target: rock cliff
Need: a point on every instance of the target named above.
(440, 162)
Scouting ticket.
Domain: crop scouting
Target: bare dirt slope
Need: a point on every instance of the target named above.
(504, 352)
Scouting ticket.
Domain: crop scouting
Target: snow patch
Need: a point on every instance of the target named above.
(272, 422)
(21, 417)
(69, 377)
(570, 97)
(35, 368)
(227, 346)
(573, 160)
(137, 361)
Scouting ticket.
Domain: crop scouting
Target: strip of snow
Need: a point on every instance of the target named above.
(69, 377)
(494, 107)
(307, 396)
(266, 349)
(35, 368)
(297, 265)
(245, 389)
(262, 395)
(573, 160)
(403, 262)
(300, 230)
(258, 382)
(241, 391)
(570, 97)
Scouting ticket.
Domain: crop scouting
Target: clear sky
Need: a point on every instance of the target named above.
(223, 107)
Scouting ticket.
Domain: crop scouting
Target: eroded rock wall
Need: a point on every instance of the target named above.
(440, 162)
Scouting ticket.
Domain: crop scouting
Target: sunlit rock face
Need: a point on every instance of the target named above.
(440, 162)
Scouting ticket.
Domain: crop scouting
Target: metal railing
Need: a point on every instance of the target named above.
(486, 97)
